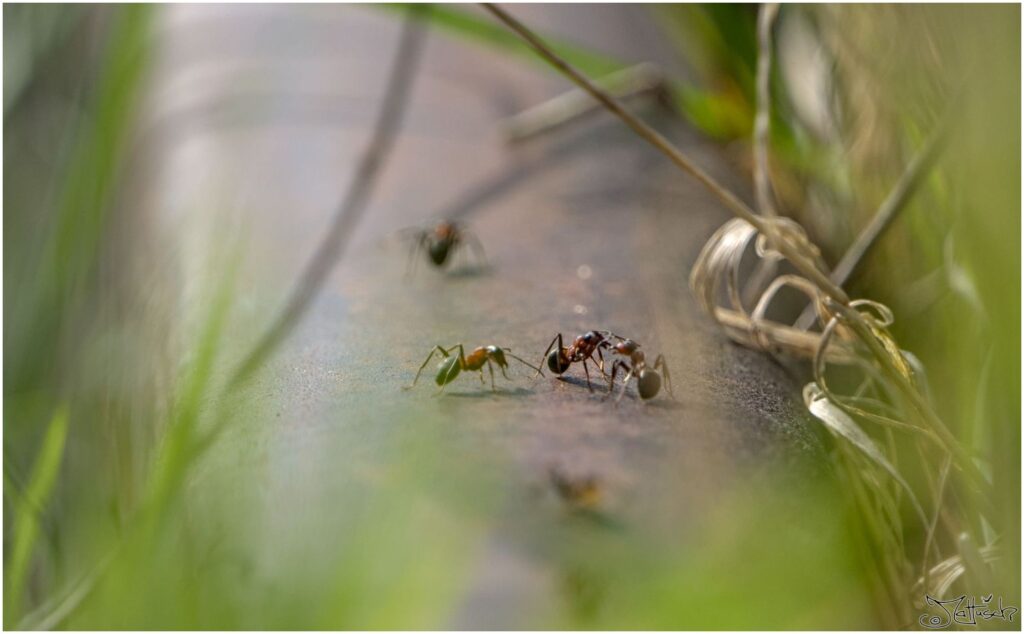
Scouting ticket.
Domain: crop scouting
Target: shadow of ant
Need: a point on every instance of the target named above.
(470, 271)
(597, 519)
(599, 385)
(519, 392)
(664, 404)
(601, 389)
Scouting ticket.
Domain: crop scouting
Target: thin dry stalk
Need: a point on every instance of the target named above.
(930, 536)
(762, 120)
(902, 191)
(642, 79)
(351, 209)
(791, 251)
(766, 269)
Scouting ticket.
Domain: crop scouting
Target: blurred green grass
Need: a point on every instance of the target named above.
(950, 264)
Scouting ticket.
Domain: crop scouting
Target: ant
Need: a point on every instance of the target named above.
(441, 241)
(648, 381)
(560, 357)
(578, 493)
(451, 365)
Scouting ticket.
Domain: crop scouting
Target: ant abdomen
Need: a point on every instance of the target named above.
(447, 370)
(438, 251)
(648, 384)
(557, 362)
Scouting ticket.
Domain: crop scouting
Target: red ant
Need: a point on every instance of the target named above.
(452, 365)
(648, 381)
(441, 241)
(560, 357)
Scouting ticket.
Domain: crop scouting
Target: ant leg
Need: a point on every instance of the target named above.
(477, 247)
(453, 251)
(611, 379)
(625, 384)
(430, 356)
(490, 368)
(550, 346)
(461, 364)
(601, 364)
(661, 363)
(587, 371)
(414, 253)
(527, 364)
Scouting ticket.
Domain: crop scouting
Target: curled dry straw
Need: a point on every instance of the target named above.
(715, 281)
(716, 273)
(716, 276)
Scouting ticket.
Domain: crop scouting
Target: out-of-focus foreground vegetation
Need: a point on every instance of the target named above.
(857, 93)
(112, 401)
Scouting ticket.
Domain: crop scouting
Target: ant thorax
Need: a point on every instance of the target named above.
(584, 345)
(445, 231)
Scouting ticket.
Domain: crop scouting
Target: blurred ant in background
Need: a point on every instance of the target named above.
(451, 365)
(578, 493)
(584, 495)
(440, 242)
(648, 381)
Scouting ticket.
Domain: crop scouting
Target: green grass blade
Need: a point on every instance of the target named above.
(27, 520)
(484, 30)
(58, 272)
(839, 422)
(183, 437)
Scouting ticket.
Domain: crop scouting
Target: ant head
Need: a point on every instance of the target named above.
(557, 361)
(628, 347)
(648, 383)
(498, 355)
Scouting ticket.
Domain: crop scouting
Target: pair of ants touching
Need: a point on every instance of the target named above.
(625, 355)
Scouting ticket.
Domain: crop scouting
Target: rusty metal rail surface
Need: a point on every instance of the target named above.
(585, 228)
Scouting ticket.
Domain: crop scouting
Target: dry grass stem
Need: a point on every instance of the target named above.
(762, 120)
(902, 191)
(642, 79)
(791, 251)
(351, 209)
